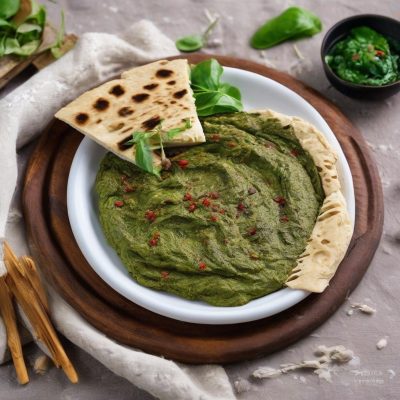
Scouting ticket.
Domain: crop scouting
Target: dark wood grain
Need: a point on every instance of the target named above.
(54, 246)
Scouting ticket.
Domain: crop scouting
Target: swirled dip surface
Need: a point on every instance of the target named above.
(226, 223)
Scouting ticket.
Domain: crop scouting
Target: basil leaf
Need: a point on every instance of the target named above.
(144, 156)
(8, 8)
(12, 46)
(212, 96)
(209, 103)
(294, 23)
(189, 43)
(55, 49)
(136, 137)
(195, 42)
(38, 14)
(230, 91)
(28, 27)
(5, 24)
(176, 131)
(206, 75)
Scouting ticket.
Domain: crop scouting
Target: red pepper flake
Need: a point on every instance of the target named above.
(379, 53)
(294, 153)
(150, 215)
(128, 188)
(206, 202)
(284, 218)
(241, 207)
(202, 266)
(355, 57)
(213, 218)
(252, 231)
(187, 197)
(192, 207)
(215, 138)
(183, 163)
(231, 145)
(118, 203)
(213, 195)
(252, 191)
(280, 200)
(154, 240)
(164, 274)
(222, 211)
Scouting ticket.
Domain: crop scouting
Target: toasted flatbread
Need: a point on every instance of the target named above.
(143, 97)
(333, 229)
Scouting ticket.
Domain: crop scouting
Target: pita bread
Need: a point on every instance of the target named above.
(333, 229)
(143, 97)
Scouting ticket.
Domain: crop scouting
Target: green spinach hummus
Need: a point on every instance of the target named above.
(226, 223)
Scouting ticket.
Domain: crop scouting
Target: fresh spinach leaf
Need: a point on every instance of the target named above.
(144, 156)
(293, 23)
(8, 8)
(56, 48)
(192, 43)
(211, 95)
(176, 131)
(206, 75)
(22, 39)
(145, 142)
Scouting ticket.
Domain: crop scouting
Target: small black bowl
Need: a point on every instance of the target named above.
(385, 26)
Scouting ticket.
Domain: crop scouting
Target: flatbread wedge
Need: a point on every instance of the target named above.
(333, 229)
(143, 97)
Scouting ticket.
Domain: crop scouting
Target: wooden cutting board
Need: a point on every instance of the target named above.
(53, 245)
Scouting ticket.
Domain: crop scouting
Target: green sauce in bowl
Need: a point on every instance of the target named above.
(366, 57)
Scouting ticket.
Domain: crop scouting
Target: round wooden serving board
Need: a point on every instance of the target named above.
(64, 266)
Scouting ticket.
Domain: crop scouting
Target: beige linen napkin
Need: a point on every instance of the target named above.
(23, 113)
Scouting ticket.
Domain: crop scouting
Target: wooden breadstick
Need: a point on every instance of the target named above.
(13, 339)
(35, 311)
(33, 276)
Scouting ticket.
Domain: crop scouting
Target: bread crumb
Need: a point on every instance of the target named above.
(41, 365)
(364, 308)
(327, 358)
(382, 343)
(241, 385)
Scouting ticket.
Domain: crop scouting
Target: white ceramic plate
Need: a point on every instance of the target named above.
(258, 93)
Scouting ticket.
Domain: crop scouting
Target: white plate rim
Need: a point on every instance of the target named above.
(81, 204)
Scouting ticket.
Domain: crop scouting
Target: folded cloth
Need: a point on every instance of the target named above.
(23, 114)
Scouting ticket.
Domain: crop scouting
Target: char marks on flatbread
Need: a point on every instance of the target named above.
(143, 97)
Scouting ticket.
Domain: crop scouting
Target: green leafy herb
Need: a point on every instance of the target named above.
(293, 23)
(146, 142)
(212, 96)
(365, 57)
(195, 42)
(8, 8)
(55, 49)
(23, 39)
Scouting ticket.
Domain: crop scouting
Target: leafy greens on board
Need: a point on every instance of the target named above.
(211, 95)
(366, 57)
(195, 42)
(293, 23)
(24, 38)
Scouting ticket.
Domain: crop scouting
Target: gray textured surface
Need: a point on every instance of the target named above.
(376, 373)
